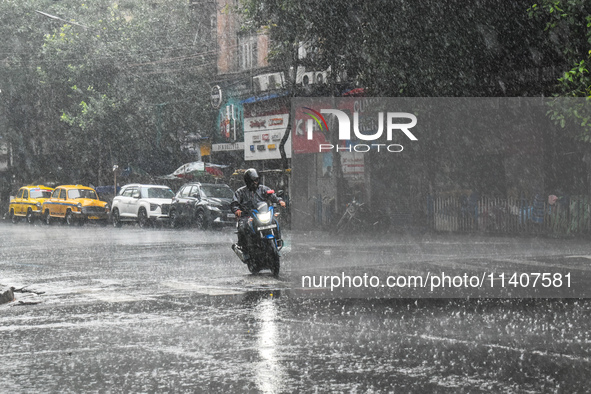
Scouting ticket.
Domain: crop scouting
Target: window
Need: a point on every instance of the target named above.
(20, 193)
(157, 192)
(36, 193)
(82, 193)
(185, 191)
(25, 194)
(247, 52)
(195, 192)
(56, 193)
(63, 194)
(217, 191)
(127, 192)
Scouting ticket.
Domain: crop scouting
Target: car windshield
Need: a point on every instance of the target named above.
(82, 193)
(157, 192)
(216, 191)
(36, 193)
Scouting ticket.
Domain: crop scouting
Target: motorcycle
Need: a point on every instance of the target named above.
(358, 217)
(264, 241)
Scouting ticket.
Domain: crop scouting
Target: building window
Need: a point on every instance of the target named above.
(247, 52)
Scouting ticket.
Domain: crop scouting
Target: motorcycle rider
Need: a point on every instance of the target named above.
(246, 199)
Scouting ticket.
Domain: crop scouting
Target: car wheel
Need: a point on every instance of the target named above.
(200, 220)
(174, 219)
(30, 218)
(142, 218)
(69, 219)
(116, 218)
(13, 217)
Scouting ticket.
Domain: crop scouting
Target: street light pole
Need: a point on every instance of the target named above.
(115, 168)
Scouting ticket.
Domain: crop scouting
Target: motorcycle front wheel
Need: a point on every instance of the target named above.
(253, 267)
(273, 257)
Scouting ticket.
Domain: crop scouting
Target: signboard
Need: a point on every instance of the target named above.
(216, 97)
(230, 121)
(227, 147)
(353, 165)
(263, 134)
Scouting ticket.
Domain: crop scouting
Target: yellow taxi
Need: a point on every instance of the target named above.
(27, 203)
(75, 204)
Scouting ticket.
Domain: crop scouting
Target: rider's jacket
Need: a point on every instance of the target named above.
(247, 200)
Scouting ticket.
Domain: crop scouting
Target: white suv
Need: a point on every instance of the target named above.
(142, 203)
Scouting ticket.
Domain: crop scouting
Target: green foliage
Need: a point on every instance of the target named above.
(84, 92)
(407, 48)
(568, 25)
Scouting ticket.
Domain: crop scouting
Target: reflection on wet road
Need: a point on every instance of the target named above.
(175, 311)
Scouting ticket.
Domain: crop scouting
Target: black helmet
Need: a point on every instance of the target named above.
(251, 178)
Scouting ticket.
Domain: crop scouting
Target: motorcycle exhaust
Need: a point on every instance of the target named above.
(239, 253)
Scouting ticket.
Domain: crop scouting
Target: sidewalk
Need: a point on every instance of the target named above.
(519, 243)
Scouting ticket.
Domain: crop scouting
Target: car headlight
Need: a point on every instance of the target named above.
(106, 207)
(38, 205)
(154, 207)
(79, 206)
(212, 208)
(264, 218)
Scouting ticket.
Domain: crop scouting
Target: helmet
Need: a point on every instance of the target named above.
(251, 178)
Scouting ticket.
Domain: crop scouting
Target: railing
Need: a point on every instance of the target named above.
(567, 215)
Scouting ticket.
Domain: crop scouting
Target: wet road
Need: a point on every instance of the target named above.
(160, 310)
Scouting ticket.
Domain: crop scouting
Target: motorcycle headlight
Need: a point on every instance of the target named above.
(264, 218)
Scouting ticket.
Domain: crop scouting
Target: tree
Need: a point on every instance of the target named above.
(102, 83)
(423, 48)
(401, 48)
(568, 26)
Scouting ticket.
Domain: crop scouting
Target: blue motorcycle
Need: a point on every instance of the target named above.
(263, 240)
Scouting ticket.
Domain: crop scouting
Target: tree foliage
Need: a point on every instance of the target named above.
(568, 27)
(107, 83)
(568, 24)
(410, 48)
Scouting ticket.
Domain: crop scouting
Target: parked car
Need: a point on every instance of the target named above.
(204, 205)
(144, 204)
(75, 204)
(28, 202)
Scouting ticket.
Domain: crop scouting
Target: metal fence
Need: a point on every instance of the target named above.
(567, 215)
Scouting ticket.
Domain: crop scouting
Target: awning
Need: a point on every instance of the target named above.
(195, 168)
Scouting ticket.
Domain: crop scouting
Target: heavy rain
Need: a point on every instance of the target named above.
(295, 196)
